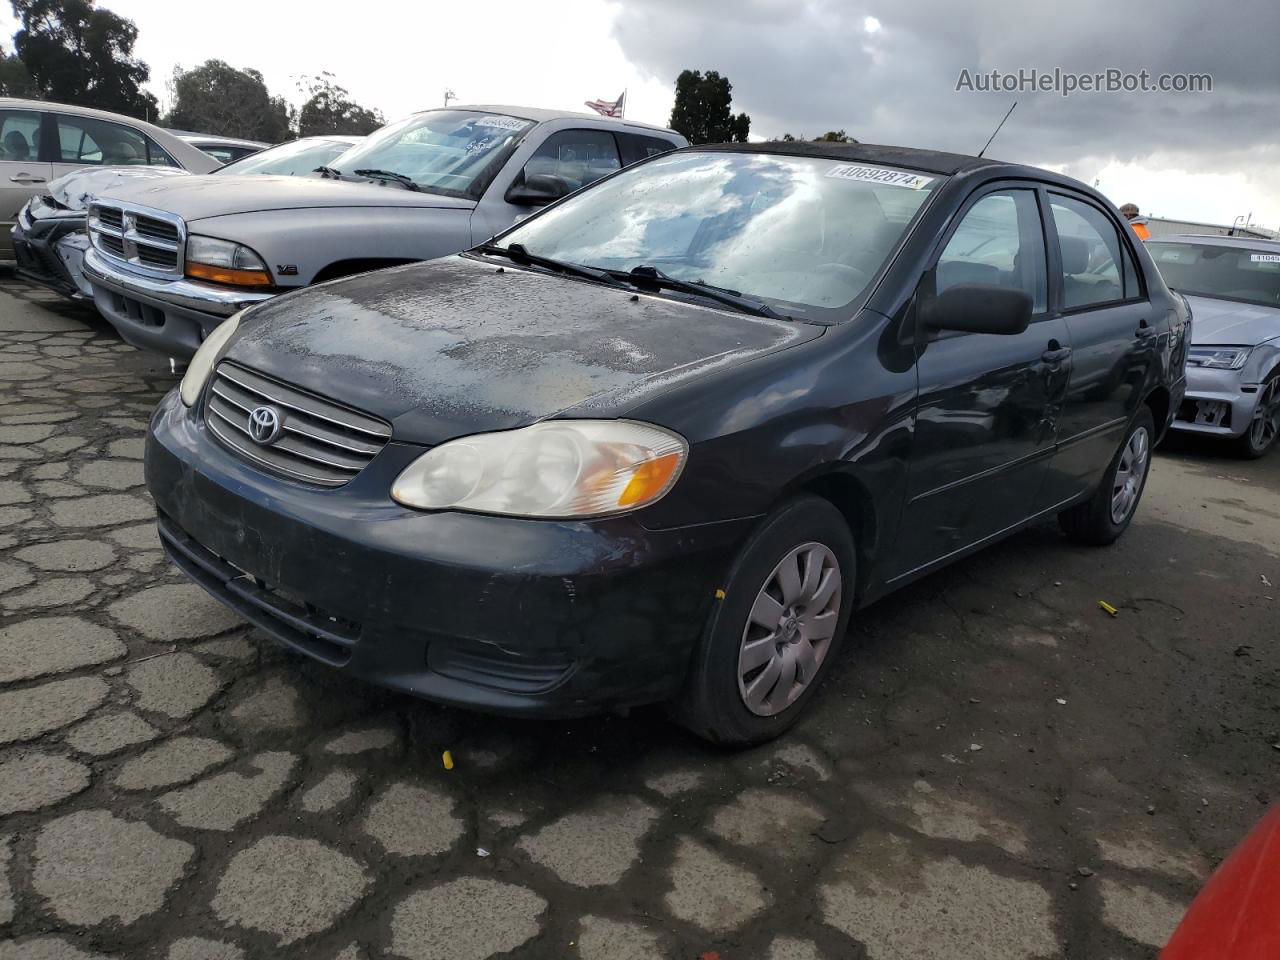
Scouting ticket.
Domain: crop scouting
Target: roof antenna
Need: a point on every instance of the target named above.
(997, 130)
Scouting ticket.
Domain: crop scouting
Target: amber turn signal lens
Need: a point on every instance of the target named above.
(228, 275)
(649, 480)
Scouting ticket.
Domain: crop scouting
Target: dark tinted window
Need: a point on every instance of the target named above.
(999, 242)
(1090, 246)
(1132, 288)
(19, 135)
(577, 157)
(635, 147)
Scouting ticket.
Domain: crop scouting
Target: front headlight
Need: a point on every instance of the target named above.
(222, 261)
(558, 468)
(1218, 358)
(201, 365)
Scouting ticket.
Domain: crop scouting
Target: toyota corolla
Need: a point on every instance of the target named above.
(662, 440)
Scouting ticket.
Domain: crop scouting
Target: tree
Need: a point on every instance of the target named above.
(76, 53)
(330, 109)
(217, 98)
(835, 136)
(701, 111)
(14, 79)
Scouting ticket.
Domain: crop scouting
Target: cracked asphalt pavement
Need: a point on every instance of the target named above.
(997, 769)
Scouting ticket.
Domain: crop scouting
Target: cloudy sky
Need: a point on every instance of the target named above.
(886, 73)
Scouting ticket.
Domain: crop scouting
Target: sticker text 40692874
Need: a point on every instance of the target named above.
(893, 178)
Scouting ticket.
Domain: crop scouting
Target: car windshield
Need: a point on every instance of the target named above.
(808, 234)
(1248, 274)
(453, 152)
(288, 159)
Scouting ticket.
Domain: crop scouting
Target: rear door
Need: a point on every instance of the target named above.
(23, 169)
(1113, 334)
(985, 419)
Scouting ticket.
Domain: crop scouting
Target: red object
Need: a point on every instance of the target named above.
(1237, 914)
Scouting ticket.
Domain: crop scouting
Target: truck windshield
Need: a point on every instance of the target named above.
(805, 233)
(1217, 270)
(453, 152)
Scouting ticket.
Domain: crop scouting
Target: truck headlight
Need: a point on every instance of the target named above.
(557, 468)
(222, 261)
(1218, 358)
(201, 365)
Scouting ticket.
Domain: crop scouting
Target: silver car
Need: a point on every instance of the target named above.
(171, 259)
(40, 141)
(1233, 368)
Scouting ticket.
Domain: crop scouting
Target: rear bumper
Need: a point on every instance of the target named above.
(171, 317)
(1217, 403)
(504, 615)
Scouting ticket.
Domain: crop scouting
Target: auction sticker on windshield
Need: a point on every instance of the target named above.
(1265, 257)
(894, 178)
(504, 123)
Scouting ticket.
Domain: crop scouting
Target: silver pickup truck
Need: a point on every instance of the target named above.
(170, 259)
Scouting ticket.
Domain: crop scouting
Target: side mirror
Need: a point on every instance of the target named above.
(978, 308)
(538, 189)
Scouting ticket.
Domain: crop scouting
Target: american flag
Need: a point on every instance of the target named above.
(609, 108)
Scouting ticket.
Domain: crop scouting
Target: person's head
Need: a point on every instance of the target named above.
(1130, 210)
(16, 146)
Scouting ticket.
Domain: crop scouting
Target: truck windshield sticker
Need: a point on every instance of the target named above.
(1265, 257)
(502, 123)
(894, 178)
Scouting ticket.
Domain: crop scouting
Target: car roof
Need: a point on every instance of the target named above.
(542, 115)
(1216, 240)
(930, 161)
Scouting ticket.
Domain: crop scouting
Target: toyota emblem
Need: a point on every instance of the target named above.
(265, 424)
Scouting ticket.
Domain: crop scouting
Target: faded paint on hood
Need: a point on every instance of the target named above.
(197, 198)
(1230, 323)
(458, 346)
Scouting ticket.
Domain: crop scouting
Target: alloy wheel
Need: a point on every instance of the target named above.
(1266, 417)
(789, 631)
(1127, 486)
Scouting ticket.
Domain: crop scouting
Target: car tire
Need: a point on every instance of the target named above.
(1101, 519)
(760, 660)
(1263, 429)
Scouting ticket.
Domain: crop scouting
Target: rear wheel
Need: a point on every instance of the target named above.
(774, 635)
(1265, 425)
(1104, 516)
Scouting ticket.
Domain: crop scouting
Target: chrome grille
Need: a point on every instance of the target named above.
(319, 441)
(150, 241)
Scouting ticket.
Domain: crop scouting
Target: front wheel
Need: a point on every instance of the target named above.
(1104, 516)
(774, 634)
(1265, 424)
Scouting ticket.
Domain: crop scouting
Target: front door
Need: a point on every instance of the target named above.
(23, 174)
(1113, 339)
(985, 417)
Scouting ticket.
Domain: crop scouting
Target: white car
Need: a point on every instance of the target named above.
(40, 141)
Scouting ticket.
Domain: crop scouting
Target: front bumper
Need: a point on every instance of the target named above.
(38, 258)
(504, 615)
(171, 317)
(1218, 403)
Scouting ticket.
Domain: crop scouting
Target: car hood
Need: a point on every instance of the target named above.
(77, 189)
(1216, 321)
(458, 346)
(196, 198)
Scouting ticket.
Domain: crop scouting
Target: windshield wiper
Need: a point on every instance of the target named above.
(516, 253)
(406, 182)
(652, 276)
(328, 172)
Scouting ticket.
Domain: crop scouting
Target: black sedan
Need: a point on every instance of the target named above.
(661, 440)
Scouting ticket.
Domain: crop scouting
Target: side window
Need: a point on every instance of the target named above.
(636, 147)
(19, 135)
(1131, 286)
(1092, 271)
(156, 156)
(999, 242)
(577, 157)
(99, 142)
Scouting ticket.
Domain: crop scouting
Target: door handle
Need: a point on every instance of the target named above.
(1144, 330)
(1055, 355)
(25, 178)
